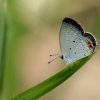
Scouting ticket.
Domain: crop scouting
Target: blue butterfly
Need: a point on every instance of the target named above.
(74, 42)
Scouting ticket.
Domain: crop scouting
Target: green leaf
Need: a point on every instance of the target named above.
(2, 43)
(39, 90)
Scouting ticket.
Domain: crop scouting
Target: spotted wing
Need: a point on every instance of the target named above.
(72, 42)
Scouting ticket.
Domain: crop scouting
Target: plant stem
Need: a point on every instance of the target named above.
(39, 90)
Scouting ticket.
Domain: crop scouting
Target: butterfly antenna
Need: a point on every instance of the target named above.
(54, 54)
(53, 59)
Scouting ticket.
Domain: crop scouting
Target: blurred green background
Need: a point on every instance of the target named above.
(29, 33)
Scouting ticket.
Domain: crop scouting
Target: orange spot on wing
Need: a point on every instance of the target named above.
(89, 45)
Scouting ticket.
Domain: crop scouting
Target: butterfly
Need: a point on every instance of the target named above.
(74, 42)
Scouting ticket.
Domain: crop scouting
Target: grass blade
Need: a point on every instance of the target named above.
(2, 42)
(39, 90)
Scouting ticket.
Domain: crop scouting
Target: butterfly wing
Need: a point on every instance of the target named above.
(92, 41)
(72, 42)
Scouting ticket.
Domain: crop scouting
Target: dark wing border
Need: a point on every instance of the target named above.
(74, 23)
(92, 38)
